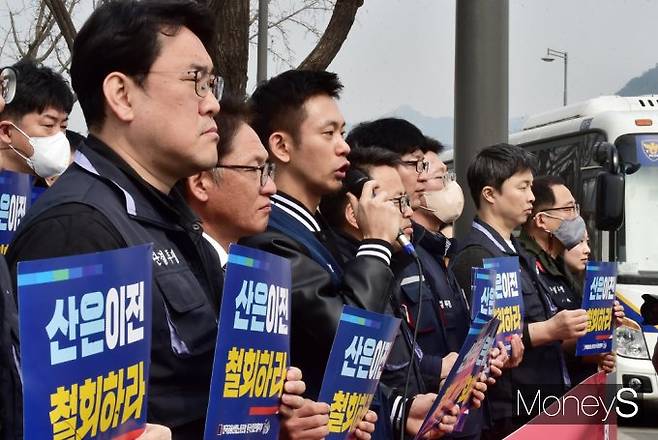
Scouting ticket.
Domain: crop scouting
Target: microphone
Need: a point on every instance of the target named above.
(353, 182)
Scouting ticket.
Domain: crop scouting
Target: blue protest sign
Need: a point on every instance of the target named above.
(253, 346)
(85, 326)
(15, 199)
(483, 291)
(509, 299)
(647, 149)
(598, 299)
(472, 360)
(361, 346)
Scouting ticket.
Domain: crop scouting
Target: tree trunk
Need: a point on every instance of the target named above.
(63, 19)
(233, 43)
(331, 41)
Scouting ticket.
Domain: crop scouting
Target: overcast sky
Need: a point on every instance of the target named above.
(401, 52)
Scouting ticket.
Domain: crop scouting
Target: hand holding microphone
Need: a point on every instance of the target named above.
(375, 215)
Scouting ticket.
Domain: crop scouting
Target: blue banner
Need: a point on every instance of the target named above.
(15, 200)
(253, 346)
(85, 326)
(362, 344)
(483, 292)
(473, 360)
(598, 299)
(509, 298)
(647, 149)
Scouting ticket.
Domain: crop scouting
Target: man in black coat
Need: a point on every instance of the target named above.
(298, 120)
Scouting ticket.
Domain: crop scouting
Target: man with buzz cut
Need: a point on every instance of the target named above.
(297, 118)
(500, 180)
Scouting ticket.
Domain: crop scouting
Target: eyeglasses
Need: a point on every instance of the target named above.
(7, 84)
(573, 210)
(204, 83)
(421, 165)
(402, 201)
(266, 170)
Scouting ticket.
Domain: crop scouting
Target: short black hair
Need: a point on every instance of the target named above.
(432, 145)
(333, 205)
(123, 36)
(233, 113)
(397, 135)
(495, 164)
(38, 88)
(278, 103)
(542, 188)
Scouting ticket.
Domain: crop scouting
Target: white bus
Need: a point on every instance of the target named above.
(567, 142)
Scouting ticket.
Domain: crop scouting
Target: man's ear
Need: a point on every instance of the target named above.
(350, 216)
(118, 90)
(488, 194)
(197, 186)
(5, 127)
(540, 222)
(280, 144)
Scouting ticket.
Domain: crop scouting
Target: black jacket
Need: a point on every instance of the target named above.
(397, 364)
(566, 294)
(317, 301)
(542, 367)
(100, 204)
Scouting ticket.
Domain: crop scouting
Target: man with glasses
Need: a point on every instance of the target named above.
(404, 139)
(233, 199)
(233, 202)
(501, 183)
(555, 226)
(149, 98)
(382, 166)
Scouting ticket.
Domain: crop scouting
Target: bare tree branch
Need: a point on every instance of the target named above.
(17, 43)
(332, 40)
(63, 19)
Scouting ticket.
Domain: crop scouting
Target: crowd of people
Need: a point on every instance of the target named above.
(170, 161)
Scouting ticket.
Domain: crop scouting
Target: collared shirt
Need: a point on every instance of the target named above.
(221, 252)
(293, 207)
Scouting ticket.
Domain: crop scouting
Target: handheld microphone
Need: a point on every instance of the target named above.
(353, 182)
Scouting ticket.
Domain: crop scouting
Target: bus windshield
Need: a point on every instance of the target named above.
(638, 244)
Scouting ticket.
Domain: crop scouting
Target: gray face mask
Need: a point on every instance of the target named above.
(571, 232)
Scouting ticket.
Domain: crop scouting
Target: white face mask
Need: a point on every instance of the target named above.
(447, 204)
(51, 154)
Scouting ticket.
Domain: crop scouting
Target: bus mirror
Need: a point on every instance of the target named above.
(649, 309)
(606, 155)
(609, 201)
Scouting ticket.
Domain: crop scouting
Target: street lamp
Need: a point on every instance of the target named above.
(551, 54)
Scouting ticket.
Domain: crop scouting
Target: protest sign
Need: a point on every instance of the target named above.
(15, 199)
(85, 325)
(473, 359)
(509, 299)
(361, 346)
(483, 292)
(253, 346)
(598, 299)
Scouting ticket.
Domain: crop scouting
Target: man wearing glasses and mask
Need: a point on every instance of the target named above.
(555, 226)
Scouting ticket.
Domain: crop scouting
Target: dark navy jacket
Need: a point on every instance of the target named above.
(186, 288)
(453, 311)
(542, 367)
